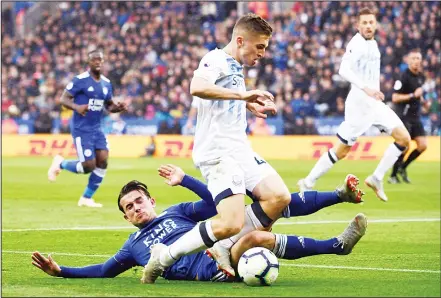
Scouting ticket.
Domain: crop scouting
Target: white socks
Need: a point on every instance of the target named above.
(387, 161)
(323, 165)
(199, 238)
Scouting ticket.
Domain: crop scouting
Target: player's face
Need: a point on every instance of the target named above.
(138, 208)
(251, 47)
(367, 25)
(96, 61)
(415, 61)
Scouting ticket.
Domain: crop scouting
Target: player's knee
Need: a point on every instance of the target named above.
(102, 164)
(422, 147)
(260, 238)
(231, 228)
(88, 167)
(403, 140)
(282, 198)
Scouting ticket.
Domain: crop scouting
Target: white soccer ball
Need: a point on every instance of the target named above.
(258, 266)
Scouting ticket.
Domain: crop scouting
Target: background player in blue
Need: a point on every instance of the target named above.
(137, 205)
(87, 95)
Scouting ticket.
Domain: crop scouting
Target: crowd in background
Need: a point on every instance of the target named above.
(152, 48)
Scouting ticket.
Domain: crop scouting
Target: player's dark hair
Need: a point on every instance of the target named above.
(253, 23)
(131, 186)
(365, 11)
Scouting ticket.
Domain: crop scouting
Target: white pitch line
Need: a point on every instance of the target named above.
(312, 222)
(282, 264)
(55, 253)
(391, 220)
(361, 268)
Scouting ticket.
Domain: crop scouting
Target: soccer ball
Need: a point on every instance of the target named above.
(258, 266)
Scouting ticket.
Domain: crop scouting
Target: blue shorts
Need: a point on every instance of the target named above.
(87, 143)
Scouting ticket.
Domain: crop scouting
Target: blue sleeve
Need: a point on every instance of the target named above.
(199, 211)
(74, 87)
(109, 94)
(114, 266)
(198, 188)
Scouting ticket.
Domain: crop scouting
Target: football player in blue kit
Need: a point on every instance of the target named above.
(138, 206)
(87, 95)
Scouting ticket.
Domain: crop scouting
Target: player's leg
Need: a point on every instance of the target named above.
(358, 119)
(390, 123)
(101, 156)
(309, 202)
(393, 179)
(226, 184)
(271, 197)
(74, 166)
(418, 134)
(347, 134)
(293, 247)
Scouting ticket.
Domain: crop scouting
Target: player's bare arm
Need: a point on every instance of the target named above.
(202, 88)
(67, 101)
(398, 97)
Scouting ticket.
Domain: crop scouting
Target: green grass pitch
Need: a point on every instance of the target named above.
(399, 255)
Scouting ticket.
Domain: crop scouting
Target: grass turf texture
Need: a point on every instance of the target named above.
(377, 266)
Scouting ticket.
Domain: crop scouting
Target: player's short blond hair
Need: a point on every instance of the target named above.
(254, 24)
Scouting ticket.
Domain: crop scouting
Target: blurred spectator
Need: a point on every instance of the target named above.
(9, 126)
(163, 128)
(43, 122)
(151, 148)
(154, 47)
(288, 120)
(259, 127)
(175, 128)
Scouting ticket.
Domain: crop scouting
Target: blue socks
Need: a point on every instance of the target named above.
(95, 179)
(294, 247)
(73, 166)
(310, 202)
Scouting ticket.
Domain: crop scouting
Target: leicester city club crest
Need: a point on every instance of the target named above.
(105, 90)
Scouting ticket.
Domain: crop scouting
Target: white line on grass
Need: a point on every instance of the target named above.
(392, 220)
(282, 264)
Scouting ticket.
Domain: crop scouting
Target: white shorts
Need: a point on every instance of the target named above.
(234, 174)
(361, 114)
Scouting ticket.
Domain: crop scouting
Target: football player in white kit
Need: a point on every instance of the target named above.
(364, 107)
(223, 154)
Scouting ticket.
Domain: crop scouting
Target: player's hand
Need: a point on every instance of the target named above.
(47, 265)
(120, 107)
(259, 111)
(172, 174)
(82, 109)
(418, 93)
(378, 95)
(257, 96)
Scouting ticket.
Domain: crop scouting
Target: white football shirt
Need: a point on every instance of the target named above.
(361, 63)
(221, 124)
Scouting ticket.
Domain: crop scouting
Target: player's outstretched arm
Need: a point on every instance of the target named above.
(110, 268)
(174, 175)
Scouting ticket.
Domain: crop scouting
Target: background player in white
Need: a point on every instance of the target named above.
(222, 152)
(364, 107)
